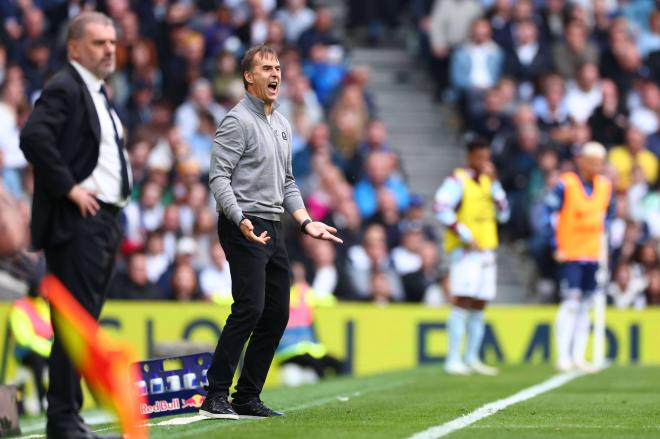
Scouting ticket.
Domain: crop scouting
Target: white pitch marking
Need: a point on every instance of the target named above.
(197, 418)
(181, 421)
(493, 407)
(342, 398)
(104, 417)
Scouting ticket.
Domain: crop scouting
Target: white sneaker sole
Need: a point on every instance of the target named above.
(218, 415)
(486, 372)
(586, 367)
(253, 417)
(458, 371)
(564, 367)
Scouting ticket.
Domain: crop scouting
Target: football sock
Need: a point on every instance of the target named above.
(565, 328)
(455, 329)
(475, 335)
(582, 324)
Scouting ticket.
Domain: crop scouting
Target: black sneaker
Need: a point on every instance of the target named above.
(216, 406)
(254, 409)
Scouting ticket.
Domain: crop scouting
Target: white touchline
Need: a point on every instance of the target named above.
(105, 418)
(319, 402)
(493, 407)
(191, 419)
(181, 421)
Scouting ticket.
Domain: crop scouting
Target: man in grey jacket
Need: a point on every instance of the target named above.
(253, 184)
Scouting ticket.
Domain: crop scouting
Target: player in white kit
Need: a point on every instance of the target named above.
(469, 203)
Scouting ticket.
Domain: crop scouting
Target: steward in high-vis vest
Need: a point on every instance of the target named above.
(581, 219)
(299, 345)
(29, 321)
(579, 207)
(469, 204)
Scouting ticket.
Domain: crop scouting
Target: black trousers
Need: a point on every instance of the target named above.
(84, 265)
(260, 312)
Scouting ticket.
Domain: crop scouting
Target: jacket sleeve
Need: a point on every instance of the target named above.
(228, 148)
(501, 203)
(292, 198)
(459, 65)
(438, 29)
(447, 199)
(39, 138)
(498, 63)
(553, 203)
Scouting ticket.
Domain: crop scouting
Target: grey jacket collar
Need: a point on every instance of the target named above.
(257, 105)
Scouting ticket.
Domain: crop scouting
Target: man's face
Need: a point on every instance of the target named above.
(527, 33)
(319, 136)
(137, 270)
(609, 90)
(265, 78)
(590, 166)
(478, 159)
(377, 169)
(480, 32)
(95, 50)
(575, 36)
(588, 75)
(635, 140)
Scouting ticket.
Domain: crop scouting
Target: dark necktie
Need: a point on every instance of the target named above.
(125, 184)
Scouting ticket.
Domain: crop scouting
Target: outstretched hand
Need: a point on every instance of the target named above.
(248, 231)
(319, 230)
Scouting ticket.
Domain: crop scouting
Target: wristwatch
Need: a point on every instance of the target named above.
(304, 224)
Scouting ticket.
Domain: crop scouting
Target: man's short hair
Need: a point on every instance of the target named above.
(77, 25)
(247, 63)
(593, 149)
(476, 144)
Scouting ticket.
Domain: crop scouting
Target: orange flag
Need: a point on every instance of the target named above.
(107, 365)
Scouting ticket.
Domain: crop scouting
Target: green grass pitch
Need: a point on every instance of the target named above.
(619, 402)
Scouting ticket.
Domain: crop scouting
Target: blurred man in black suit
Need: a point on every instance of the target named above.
(74, 140)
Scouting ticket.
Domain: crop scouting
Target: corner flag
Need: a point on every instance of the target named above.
(106, 364)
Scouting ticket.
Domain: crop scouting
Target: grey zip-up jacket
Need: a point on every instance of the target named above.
(250, 171)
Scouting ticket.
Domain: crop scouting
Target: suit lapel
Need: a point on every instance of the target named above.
(89, 104)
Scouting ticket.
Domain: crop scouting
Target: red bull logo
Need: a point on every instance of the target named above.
(195, 401)
(160, 406)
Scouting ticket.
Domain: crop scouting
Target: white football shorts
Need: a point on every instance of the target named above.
(473, 274)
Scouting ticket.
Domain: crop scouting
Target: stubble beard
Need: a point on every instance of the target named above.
(103, 69)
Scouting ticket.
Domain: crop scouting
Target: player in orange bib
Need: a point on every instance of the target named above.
(581, 205)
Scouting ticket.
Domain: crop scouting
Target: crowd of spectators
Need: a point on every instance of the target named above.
(539, 79)
(177, 75)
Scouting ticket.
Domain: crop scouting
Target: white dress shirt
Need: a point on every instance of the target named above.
(582, 103)
(295, 22)
(480, 77)
(325, 281)
(527, 52)
(216, 282)
(105, 180)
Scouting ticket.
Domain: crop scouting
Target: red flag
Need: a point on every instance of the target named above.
(107, 365)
